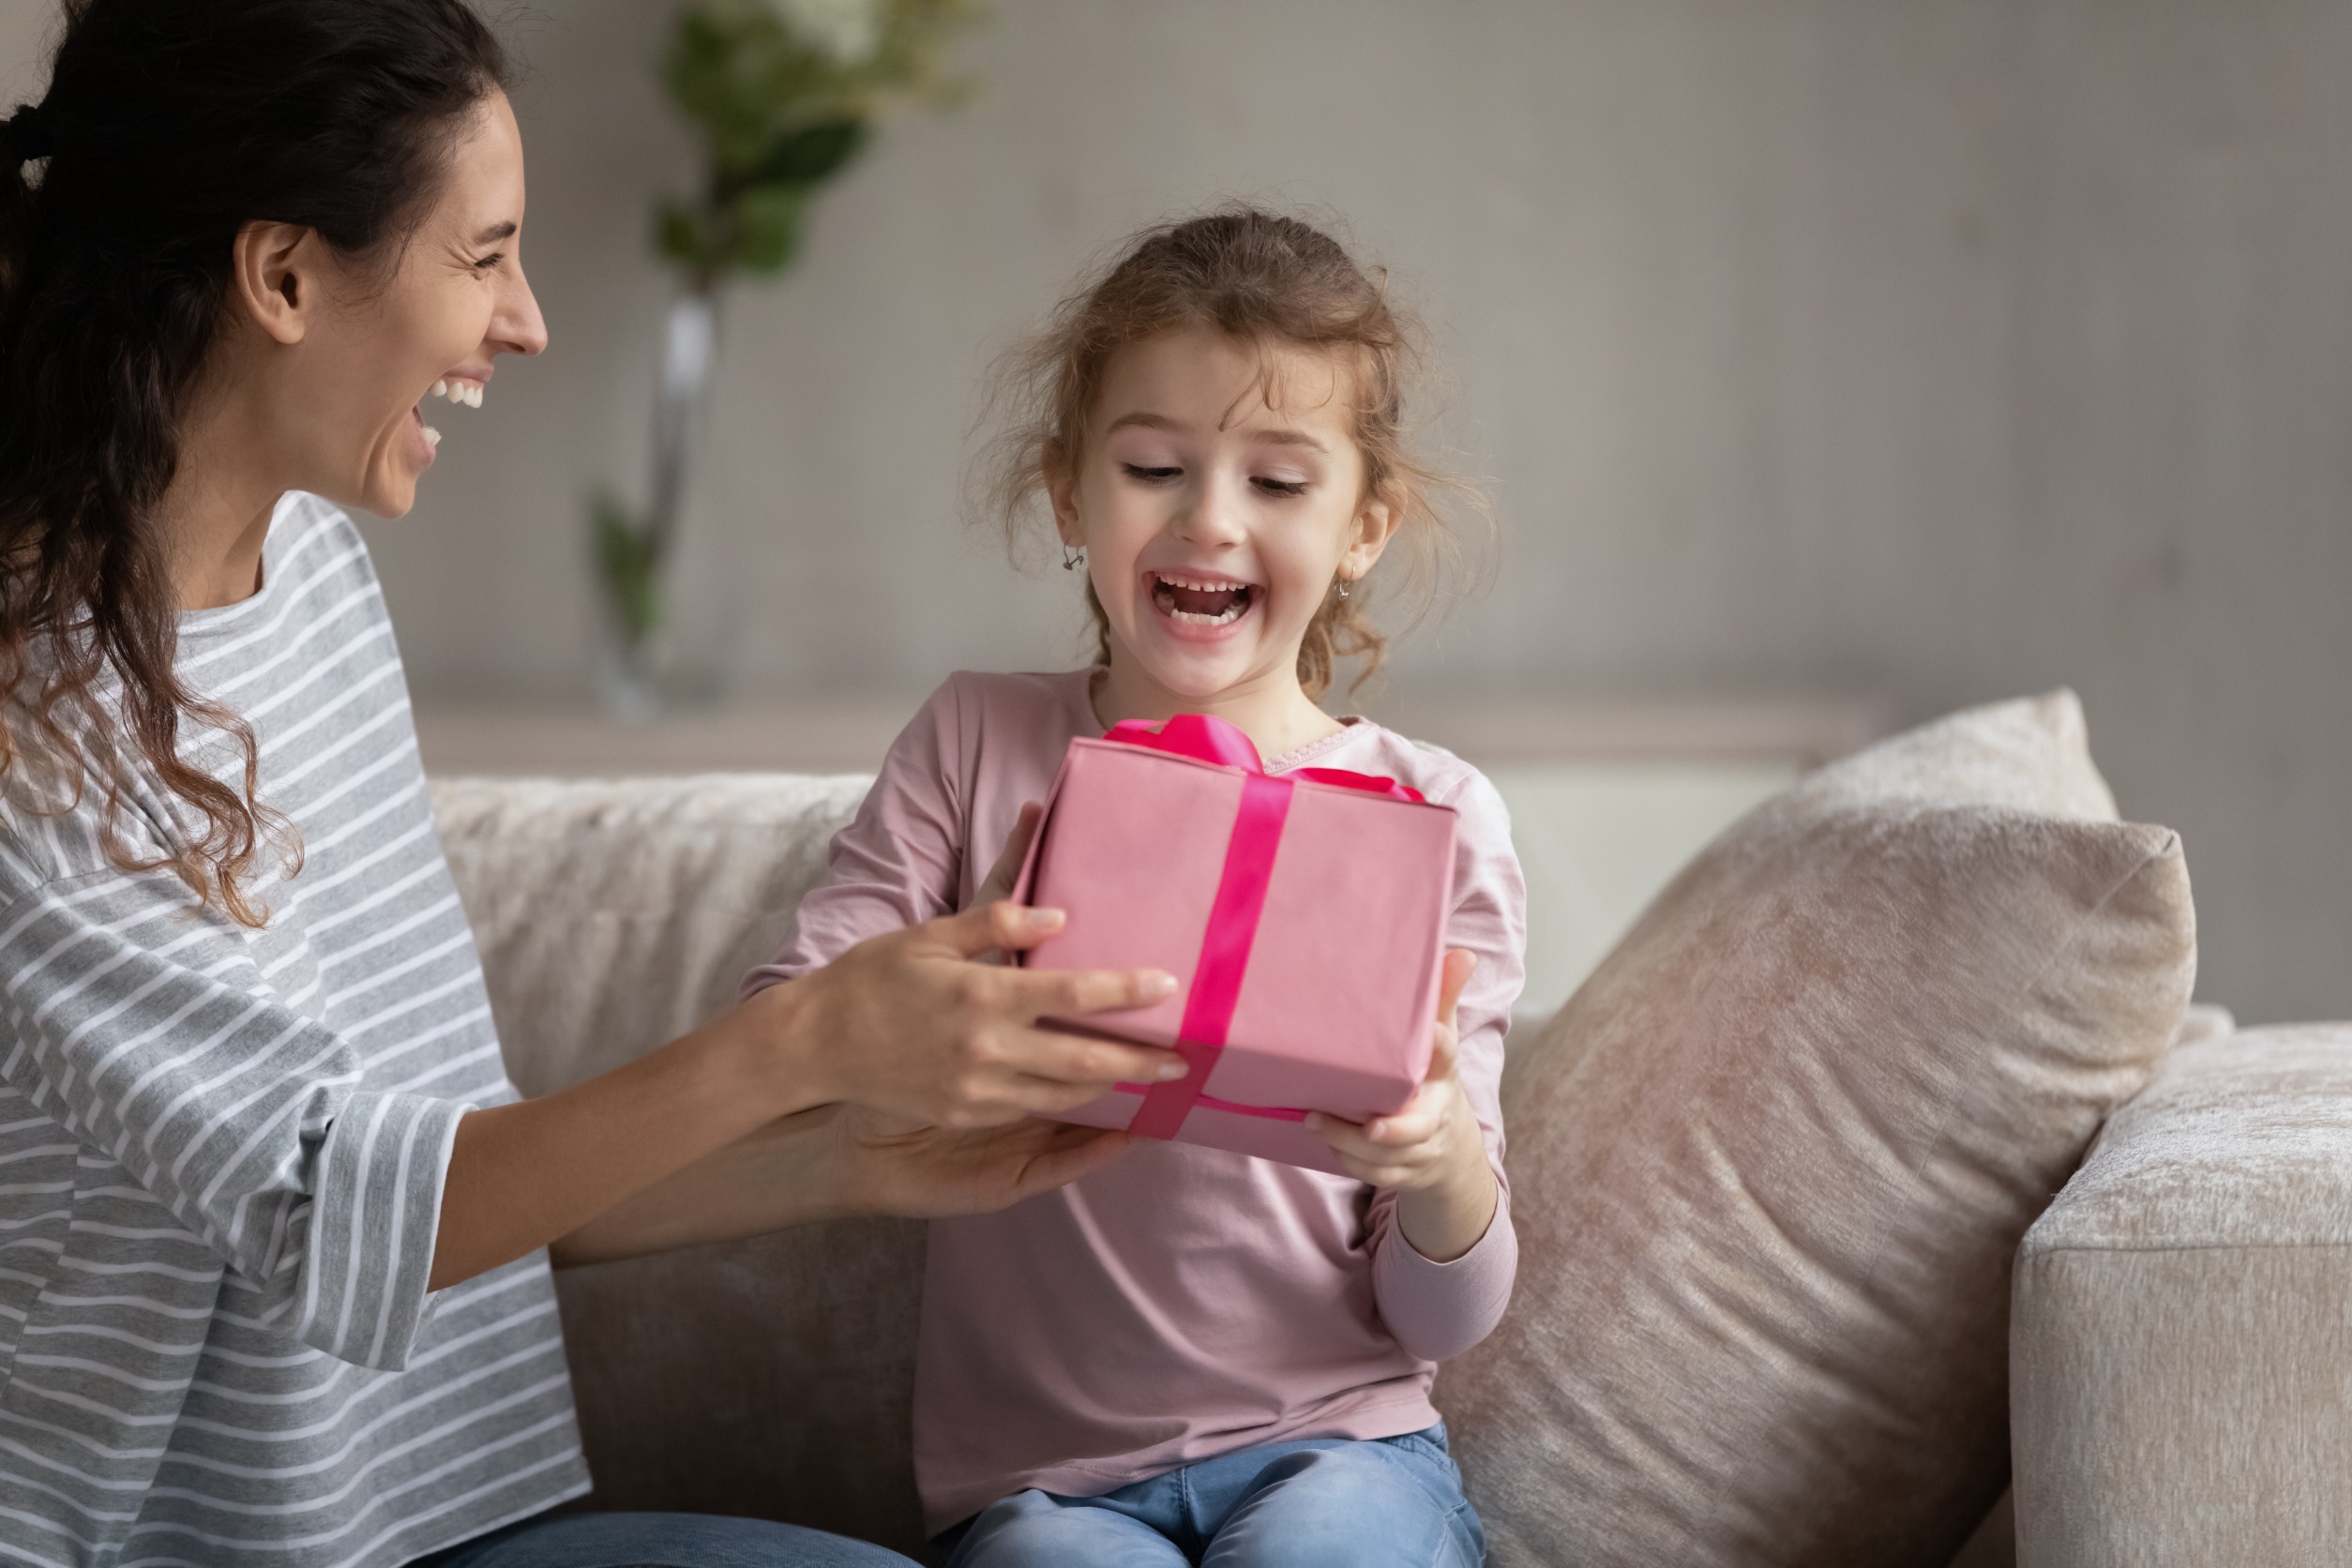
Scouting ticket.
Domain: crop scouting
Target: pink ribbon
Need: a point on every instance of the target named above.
(1233, 915)
(1208, 739)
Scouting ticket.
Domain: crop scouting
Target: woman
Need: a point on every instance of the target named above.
(271, 1220)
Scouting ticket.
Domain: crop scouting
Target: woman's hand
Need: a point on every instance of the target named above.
(889, 1166)
(909, 1024)
(1431, 1151)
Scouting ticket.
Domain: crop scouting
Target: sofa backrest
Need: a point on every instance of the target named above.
(772, 1377)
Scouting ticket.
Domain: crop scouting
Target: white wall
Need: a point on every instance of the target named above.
(1947, 349)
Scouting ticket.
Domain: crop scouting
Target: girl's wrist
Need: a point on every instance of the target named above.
(1445, 1219)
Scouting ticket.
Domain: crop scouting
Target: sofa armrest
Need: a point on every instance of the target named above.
(2180, 1338)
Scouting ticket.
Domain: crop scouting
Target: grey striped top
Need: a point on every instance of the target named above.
(221, 1150)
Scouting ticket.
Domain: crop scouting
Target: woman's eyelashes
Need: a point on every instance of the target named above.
(1149, 474)
(1280, 486)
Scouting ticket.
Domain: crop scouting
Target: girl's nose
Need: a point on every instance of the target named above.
(1214, 517)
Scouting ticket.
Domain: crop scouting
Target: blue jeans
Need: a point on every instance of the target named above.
(658, 1540)
(1326, 1503)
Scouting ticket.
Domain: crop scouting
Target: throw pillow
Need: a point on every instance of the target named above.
(1771, 1162)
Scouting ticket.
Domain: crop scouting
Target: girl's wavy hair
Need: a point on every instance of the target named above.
(167, 126)
(1268, 280)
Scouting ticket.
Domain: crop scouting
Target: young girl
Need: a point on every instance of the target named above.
(1193, 1356)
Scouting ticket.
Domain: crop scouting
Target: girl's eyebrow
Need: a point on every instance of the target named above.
(1162, 422)
(1289, 438)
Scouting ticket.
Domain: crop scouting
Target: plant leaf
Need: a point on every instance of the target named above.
(767, 227)
(679, 234)
(629, 567)
(812, 154)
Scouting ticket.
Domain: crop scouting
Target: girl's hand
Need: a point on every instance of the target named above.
(1431, 1150)
(891, 1166)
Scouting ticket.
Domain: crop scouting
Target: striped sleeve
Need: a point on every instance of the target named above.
(141, 1023)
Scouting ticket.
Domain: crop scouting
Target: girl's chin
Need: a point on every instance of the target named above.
(1194, 670)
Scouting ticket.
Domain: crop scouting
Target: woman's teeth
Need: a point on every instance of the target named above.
(1201, 601)
(466, 392)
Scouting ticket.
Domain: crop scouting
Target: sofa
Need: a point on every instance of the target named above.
(2095, 1254)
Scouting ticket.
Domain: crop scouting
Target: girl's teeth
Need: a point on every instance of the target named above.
(432, 437)
(441, 388)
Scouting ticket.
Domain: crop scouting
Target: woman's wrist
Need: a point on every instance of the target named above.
(773, 1044)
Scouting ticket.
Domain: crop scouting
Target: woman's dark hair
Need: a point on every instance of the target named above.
(169, 124)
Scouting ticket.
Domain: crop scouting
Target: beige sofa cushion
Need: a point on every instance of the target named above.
(2182, 1334)
(772, 1377)
(1771, 1162)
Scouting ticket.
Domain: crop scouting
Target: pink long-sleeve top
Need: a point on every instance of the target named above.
(1182, 1303)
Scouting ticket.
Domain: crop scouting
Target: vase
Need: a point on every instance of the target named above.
(634, 552)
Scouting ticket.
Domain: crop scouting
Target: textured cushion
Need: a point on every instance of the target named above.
(2182, 1334)
(772, 1377)
(1771, 1162)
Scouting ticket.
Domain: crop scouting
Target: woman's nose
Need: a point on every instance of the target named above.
(518, 328)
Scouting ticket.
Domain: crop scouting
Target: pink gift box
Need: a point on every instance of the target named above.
(1303, 917)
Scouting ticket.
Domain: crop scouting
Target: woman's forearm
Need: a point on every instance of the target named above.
(906, 1023)
(522, 1175)
(783, 1174)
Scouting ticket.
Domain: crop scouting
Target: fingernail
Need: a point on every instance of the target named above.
(1375, 1130)
(1170, 1071)
(1046, 920)
(1159, 985)
(1314, 1120)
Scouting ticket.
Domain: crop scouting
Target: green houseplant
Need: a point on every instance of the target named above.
(783, 94)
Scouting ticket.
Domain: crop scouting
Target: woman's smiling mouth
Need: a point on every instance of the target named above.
(461, 390)
(1196, 601)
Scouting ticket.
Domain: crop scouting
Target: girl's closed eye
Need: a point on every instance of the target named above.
(1273, 486)
(1151, 474)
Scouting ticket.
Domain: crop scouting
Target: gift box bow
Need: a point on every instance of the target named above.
(1241, 898)
(1209, 739)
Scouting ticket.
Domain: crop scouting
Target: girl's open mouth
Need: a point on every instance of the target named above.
(1202, 601)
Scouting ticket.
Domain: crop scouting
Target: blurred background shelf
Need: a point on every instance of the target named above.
(818, 735)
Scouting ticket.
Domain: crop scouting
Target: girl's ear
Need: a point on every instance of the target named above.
(1376, 523)
(1062, 491)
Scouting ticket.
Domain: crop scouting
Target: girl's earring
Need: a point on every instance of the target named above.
(1345, 584)
(1071, 558)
